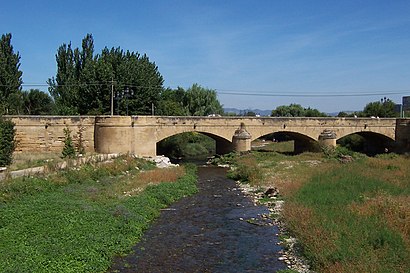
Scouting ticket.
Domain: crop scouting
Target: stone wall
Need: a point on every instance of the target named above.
(46, 133)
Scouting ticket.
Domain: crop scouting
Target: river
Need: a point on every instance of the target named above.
(207, 232)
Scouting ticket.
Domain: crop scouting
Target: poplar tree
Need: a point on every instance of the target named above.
(84, 81)
(10, 77)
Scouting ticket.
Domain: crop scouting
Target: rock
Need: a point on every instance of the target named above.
(345, 158)
(271, 192)
(162, 162)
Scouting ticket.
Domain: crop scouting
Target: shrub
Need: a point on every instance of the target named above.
(79, 145)
(7, 141)
(246, 170)
(68, 149)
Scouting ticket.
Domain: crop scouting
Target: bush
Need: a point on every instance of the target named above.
(7, 141)
(69, 149)
(246, 170)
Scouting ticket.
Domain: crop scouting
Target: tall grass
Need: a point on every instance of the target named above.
(352, 217)
(350, 226)
(78, 220)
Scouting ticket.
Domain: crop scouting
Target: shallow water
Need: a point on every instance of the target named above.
(205, 233)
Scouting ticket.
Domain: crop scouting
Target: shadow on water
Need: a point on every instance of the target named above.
(197, 160)
(207, 232)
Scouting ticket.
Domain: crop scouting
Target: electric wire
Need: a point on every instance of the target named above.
(233, 92)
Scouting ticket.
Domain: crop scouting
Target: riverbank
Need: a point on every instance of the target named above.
(347, 216)
(78, 219)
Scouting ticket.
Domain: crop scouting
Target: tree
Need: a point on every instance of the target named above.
(69, 87)
(172, 103)
(250, 114)
(296, 110)
(383, 108)
(200, 101)
(10, 76)
(37, 102)
(195, 101)
(7, 141)
(84, 82)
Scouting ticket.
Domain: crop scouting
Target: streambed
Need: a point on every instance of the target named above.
(216, 230)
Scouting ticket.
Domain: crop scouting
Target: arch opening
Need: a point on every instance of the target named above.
(368, 143)
(192, 145)
(285, 142)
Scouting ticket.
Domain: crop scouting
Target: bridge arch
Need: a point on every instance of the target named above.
(370, 143)
(294, 133)
(168, 133)
(302, 142)
(222, 144)
(365, 133)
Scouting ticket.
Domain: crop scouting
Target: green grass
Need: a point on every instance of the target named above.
(269, 146)
(349, 217)
(77, 221)
(354, 242)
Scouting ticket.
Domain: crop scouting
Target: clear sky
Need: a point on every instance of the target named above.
(276, 52)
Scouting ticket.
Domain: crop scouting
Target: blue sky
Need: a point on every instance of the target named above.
(279, 52)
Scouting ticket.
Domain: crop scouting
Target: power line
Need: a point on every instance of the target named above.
(239, 92)
(382, 93)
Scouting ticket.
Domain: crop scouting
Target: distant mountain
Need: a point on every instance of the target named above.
(268, 112)
(244, 111)
(334, 114)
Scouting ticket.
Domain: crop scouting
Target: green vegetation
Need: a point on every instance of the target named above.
(188, 145)
(195, 101)
(10, 76)
(349, 217)
(296, 110)
(84, 81)
(36, 102)
(269, 146)
(383, 109)
(77, 220)
(7, 141)
(68, 149)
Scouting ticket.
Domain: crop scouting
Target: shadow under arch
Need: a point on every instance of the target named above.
(172, 146)
(369, 143)
(301, 143)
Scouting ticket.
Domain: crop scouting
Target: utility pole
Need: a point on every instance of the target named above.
(112, 96)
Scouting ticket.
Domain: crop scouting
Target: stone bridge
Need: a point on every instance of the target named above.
(140, 134)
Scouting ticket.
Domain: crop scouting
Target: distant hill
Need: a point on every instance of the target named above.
(268, 112)
(243, 111)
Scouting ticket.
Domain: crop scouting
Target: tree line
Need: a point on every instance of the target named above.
(121, 82)
(112, 81)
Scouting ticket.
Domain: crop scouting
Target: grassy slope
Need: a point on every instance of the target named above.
(77, 221)
(348, 217)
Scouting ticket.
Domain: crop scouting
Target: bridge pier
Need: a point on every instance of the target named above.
(241, 140)
(327, 138)
(403, 135)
